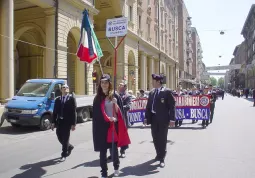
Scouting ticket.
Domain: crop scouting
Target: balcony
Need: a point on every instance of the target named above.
(189, 40)
(189, 31)
(149, 38)
(189, 23)
(189, 50)
(149, 10)
(156, 20)
(139, 10)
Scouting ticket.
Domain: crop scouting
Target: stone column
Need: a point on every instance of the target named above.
(151, 71)
(50, 42)
(143, 66)
(168, 76)
(7, 56)
(172, 75)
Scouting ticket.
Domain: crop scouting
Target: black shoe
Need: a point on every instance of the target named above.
(109, 157)
(70, 149)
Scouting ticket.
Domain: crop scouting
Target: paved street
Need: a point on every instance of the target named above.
(224, 150)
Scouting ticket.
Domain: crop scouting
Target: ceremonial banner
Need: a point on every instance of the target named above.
(187, 107)
(192, 107)
(137, 111)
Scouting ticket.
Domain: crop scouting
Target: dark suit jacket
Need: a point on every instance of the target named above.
(69, 111)
(100, 126)
(127, 102)
(164, 106)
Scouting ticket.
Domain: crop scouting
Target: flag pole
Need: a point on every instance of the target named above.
(100, 66)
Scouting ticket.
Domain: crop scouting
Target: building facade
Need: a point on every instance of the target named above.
(151, 45)
(39, 39)
(248, 33)
(240, 57)
(46, 35)
(185, 46)
(197, 57)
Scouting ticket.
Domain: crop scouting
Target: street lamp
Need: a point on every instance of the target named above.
(222, 32)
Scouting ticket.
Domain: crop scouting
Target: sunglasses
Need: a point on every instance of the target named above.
(64, 87)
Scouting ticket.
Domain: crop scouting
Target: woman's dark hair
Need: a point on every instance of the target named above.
(101, 95)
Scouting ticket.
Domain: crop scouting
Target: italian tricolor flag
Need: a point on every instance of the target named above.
(89, 48)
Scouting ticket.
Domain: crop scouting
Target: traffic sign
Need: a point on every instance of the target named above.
(116, 27)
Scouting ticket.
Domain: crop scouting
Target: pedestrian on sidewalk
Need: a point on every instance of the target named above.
(160, 113)
(109, 129)
(64, 119)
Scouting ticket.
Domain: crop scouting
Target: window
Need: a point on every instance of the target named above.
(109, 62)
(130, 13)
(165, 21)
(162, 18)
(166, 43)
(162, 43)
(170, 26)
(156, 11)
(30, 89)
(170, 46)
(139, 21)
(57, 90)
(148, 2)
(156, 36)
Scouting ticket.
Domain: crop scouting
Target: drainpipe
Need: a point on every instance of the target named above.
(56, 39)
(159, 55)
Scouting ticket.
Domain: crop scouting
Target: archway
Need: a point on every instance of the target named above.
(131, 71)
(75, 68)
(28, 56)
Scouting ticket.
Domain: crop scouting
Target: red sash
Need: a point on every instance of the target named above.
(122, 138)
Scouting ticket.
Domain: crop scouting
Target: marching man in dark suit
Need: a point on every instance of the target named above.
(160, 113)
(64, 119)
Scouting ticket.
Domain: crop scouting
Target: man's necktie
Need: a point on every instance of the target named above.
(62, 106)
(154, 98)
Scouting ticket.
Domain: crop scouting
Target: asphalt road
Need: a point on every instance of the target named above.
(223, 150)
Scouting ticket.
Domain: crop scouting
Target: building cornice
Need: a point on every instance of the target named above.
(252, 10)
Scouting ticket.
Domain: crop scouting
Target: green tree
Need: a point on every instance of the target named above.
(221, 82)
(213, 81)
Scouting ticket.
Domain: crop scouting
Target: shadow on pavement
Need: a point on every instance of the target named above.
(95, 163)
(18, 130)
(168, 141)
(187, 128)
(36, 170)
(143, 169)
(139, 127)
(249, 99)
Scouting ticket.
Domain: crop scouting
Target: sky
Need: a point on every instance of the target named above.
(210, 17)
